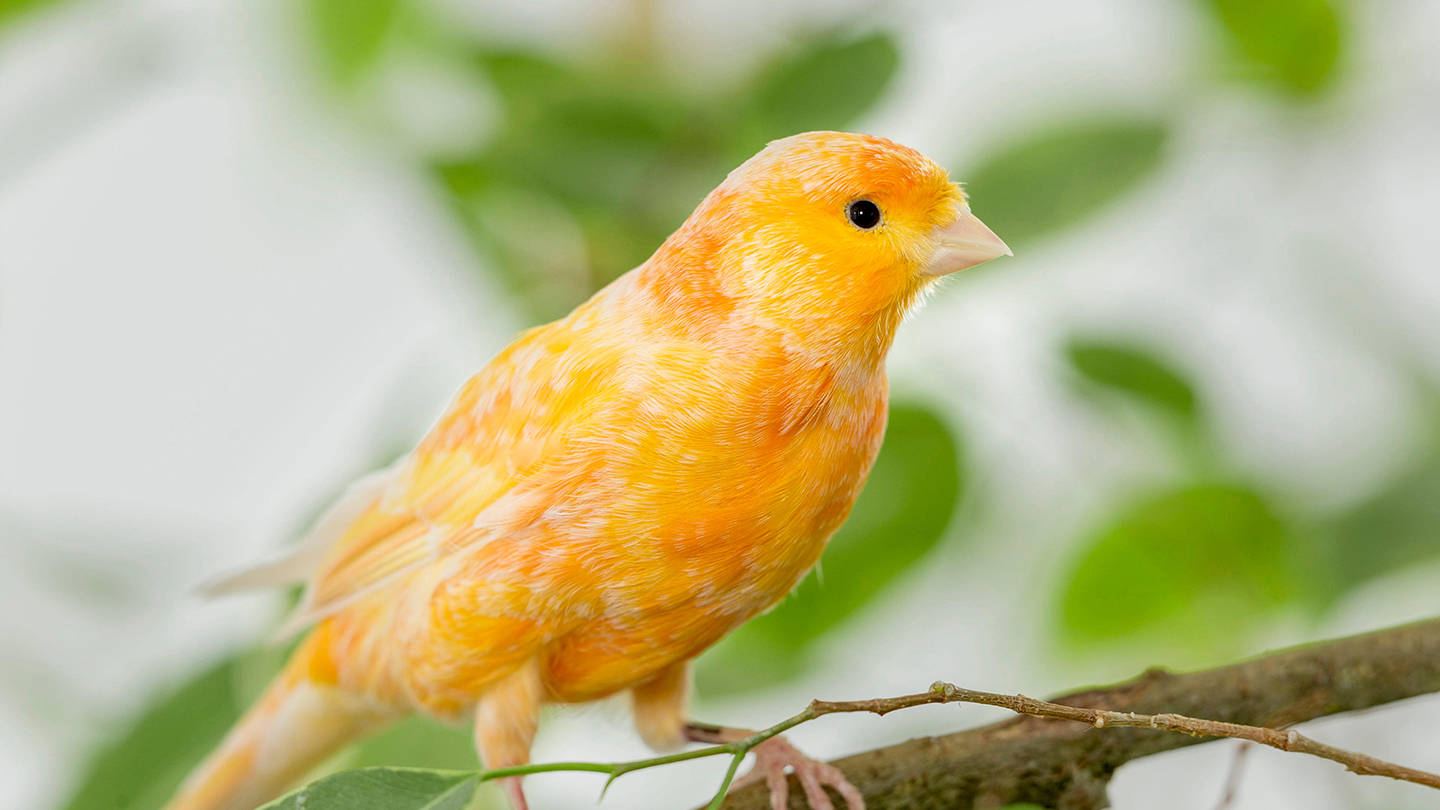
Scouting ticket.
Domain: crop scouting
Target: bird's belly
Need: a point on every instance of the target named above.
(614, 653)
(682, 591)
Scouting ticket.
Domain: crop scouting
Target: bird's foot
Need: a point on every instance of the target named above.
(775, 757)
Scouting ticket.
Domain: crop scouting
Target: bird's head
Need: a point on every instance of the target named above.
(835, 234)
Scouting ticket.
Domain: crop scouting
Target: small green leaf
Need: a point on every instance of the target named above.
(383, 789)
(1033, 186)
(349, 34)
(899, 518)
(827, 84)
(1295, 44)
(142, 768)
(1132, 370)
(1197, 563)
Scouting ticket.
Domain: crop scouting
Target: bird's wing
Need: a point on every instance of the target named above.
(301, 562)
(465, 481)
(422, 515)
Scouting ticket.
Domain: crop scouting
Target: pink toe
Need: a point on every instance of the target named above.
(814, 790)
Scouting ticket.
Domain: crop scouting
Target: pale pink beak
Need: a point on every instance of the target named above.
(962, 244)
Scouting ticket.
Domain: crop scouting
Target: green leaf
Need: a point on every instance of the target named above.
(1132, 370)
(1034, 186)
(142, 768)
(589, 149)
(383, 789)
(613, 148)
(1196, 563)
(827, 84)
(417, 742)
(11, 10)
(349, 34)
(1397, 527)
(526, 81)
(899, 518)
(587, 136)
(1295, 44)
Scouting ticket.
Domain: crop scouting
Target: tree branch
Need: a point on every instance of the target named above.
(1067, 765)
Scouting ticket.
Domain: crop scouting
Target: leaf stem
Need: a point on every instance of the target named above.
(719, 797)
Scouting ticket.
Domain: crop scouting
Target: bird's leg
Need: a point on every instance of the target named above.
(515, 792)
(772, 760)
(660, 707)
(660, 717)
(506, 717)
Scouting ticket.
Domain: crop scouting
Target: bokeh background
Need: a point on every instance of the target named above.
(248, 249)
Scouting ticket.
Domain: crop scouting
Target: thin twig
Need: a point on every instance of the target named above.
(719, 797)
(1233, 778)
(941, 692)
(1100, 718)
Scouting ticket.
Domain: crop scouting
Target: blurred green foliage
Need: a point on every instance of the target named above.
(349, 34)
(1200, 561)
(13, 9)
(1188, 570)
(823, 85)
(383, 789)
(1134, 371)
(1396, 527)
(1124, 372)
(1295, 45)
(140, 769)
(417, 742)
(1038, 184)
(143, 767)
(616, 149)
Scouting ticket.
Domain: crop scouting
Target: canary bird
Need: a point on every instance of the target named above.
(619, 489)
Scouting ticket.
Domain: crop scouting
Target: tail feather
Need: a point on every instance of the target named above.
(295, 726)
(298, 564)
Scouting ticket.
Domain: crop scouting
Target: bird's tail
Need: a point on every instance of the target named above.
(301, 719)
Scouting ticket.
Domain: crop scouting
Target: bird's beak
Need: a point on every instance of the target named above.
(963, 243)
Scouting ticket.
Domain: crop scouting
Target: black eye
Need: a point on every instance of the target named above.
(863, 214)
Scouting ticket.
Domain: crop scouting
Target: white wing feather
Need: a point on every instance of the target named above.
(298, 565)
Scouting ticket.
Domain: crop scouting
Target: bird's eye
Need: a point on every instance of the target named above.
(863, 214)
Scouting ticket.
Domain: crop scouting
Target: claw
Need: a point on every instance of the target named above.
(772, 759)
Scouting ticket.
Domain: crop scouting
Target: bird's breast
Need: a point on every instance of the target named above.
(718, 524)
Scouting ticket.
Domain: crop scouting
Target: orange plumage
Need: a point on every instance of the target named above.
(619, 489)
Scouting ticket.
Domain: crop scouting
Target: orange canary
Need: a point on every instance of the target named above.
(619, 489)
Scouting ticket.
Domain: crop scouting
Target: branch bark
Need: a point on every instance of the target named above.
(1067, 765)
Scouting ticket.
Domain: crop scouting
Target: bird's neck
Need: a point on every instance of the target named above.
(690, 305)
